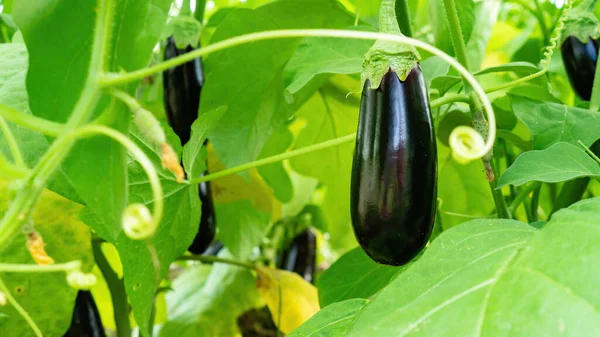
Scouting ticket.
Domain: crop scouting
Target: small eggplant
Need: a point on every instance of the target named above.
(86, 320)
(394, 171)
(580, 63)
(300, 257)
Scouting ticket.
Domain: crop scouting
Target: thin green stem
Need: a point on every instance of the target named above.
(112, 79)
(595, 99)
(199, 11)
(276, 158)
(456, 33)
(216, 259)
(535, 201)
(118, 295)
(32, 122)
(8, 169)
(37, 268)
(523, 195)
(12, 144)
(448, 99)
(502, 211)
(20, 309)
(124, 97)
(403, 17)
(186, 8)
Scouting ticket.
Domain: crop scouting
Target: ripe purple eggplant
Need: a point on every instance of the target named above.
(394, 171)
(300, 257)
(580, 63)
(182, 86)
(86, 320)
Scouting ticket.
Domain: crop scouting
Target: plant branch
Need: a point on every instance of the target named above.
(456, 33)
(31, 122)
(199, 11)
(38, 268)
(12, 144)
(523, 194)
(20, 310)
(277, 158)
(216, 259)
(118, 294)
(448, 99)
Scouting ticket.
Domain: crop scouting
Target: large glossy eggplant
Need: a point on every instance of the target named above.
(394, 172)
(580, 63)
(300, 257)
(86, 320)
(182, 86)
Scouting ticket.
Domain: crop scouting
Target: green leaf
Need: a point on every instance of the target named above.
(194, 163)
(325, 56)
(241, 226)
(466, 16)
(327, 116)
(486, 17)
(354, 275)
(13, 69)
(444, 292)
(275, 174)
(46, 297)
(249, 78)
(208, 305)
(550, 123)
(434, 67)
(463, 190)
(498, 278)
(560, 162)
(334, 320)
(175, 233)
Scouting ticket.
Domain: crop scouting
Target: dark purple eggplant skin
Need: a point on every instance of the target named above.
(394, 171)
(580, 63)
(182, 86)
(300, 257)
(86, 320)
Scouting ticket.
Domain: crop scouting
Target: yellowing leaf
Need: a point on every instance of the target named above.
(287, 294)
(234, 187)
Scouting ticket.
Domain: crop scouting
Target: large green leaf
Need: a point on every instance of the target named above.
(486, 16)
(328, 115)
(249, 78)
(354, 275)
(241, 227)
(203, 304)
(560, 162)
(275, 174)
(57, 75)
(334, 320)
(498, 278)
(325, 56)
(550, 123)
(13, 69)
(47, 297)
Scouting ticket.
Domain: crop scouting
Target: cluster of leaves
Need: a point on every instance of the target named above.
(530, 276)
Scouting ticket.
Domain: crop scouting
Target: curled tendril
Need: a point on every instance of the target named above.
(137, 222)
(549, 51)
(80, 280)
(464, 141)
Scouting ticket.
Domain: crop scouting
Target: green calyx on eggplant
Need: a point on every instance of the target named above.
(86, 320)
(301, 255)
(580, 63)
(182, 86)
(394, 171)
